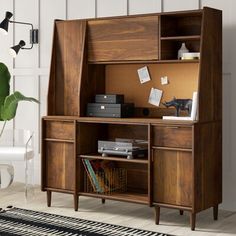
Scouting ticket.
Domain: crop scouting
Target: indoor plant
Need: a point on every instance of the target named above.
(9, 102)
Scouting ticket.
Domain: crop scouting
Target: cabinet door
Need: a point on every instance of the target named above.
(119, 39)
(60, 165)
(58, 154)
(172, 177)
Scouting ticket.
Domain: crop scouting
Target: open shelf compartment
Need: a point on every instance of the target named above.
(181, 24)
(135, 181)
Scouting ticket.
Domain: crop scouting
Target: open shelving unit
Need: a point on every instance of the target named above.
(136, 169)
(178, 29)
(183, 165)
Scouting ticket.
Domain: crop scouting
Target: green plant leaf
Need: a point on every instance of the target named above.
(4, 85)
(11, 102)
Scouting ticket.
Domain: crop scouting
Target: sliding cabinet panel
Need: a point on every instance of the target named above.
(172, 177)
(133, 38)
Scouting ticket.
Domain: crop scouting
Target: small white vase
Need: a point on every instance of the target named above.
(182, 50)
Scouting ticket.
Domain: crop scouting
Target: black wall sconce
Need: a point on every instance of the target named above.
(33, 34)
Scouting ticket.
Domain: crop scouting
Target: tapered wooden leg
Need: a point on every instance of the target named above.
(215, 212)
(193, 221)
(181, 212)
(76, 202)
(157, 215)
(103, 200)
(49, 198)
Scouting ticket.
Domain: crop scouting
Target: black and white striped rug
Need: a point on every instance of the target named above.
(21, 222)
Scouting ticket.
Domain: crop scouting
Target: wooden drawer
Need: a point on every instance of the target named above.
(59, 130)
(172, 136)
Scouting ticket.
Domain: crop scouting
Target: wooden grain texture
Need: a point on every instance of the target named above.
(126, 131)
(210, 76)
(181, 25)
(43, 157)
(138, 198)
(51, 97)
(172, 136)
(137, 177)
(172, 177)
(133, 120)
(92, 83)
(113, 158)
(123, 39)
(89, 134)
(137, 180)
(67, 64)
(60, 167)
(59, 130)
(207, 165)
(76, 167)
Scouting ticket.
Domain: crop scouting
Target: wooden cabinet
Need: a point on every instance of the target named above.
(182, 168)
(173, 177)
(58, 156)
(172, 159)
(60, 165)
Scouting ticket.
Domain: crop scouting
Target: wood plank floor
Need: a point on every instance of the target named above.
(126, 214)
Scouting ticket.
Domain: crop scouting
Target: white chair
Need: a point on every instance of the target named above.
(17, 146)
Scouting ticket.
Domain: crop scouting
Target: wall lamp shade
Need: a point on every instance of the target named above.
(4, 24)
(15, 49)
(33, 34)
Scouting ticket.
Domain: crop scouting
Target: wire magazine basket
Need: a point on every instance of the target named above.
(105, 181)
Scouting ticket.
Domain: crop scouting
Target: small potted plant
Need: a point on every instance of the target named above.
(9, 102)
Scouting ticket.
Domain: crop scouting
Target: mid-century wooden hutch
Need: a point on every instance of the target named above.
(183, 168)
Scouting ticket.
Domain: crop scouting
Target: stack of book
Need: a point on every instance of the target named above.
(103, 177)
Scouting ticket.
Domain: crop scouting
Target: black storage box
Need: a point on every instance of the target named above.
(109, 98)
(110, 110)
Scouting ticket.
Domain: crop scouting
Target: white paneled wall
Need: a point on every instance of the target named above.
(111, 7)
(143, 6)
(170, 5)
(22, 32)
(6, 42)
(49, 11)
(31, 68)
(81, 9)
